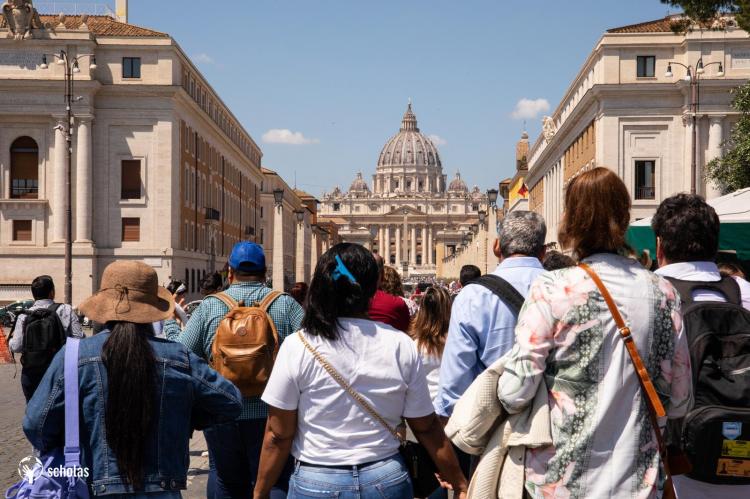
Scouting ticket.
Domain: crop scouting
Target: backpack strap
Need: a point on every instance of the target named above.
(727, 287)
(503, 290)
(72, 441)
(268, 300)
(226, 299)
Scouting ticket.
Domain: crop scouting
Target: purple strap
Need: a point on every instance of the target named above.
(72, 449)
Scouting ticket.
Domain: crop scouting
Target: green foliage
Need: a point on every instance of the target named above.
(704, 12)
(732, 171)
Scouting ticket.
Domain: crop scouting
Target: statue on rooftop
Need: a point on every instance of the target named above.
(20, 18)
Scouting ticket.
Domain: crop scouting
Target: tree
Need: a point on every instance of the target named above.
(732, 171)
(704, 12)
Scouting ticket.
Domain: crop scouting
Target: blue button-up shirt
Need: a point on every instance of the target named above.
(481, 331)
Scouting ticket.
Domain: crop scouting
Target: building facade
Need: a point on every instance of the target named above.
(630, 108)
(409, 213)
(161, 169)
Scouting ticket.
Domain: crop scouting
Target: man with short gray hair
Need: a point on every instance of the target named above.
(483, 317)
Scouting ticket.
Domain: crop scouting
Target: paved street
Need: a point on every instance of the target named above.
(14, 446)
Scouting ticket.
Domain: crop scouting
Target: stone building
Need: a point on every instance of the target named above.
(162, 171)
(630, 108)
(409, 213)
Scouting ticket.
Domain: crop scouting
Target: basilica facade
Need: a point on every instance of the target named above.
(409, 213)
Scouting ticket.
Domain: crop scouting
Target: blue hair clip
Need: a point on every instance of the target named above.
(341, 271)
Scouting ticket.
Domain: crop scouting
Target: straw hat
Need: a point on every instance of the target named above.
(129, 292)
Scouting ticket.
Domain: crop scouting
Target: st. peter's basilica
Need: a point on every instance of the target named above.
(410, 214)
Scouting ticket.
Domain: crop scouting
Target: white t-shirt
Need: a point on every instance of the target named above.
(379, 362)
(431, 365)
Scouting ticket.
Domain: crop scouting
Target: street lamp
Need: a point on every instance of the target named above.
(300, 214)
(492, 197)
(278, 196)
(482, 217)
(71, 67)
(694, 82)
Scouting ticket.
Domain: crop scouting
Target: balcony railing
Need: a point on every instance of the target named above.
(645, 192)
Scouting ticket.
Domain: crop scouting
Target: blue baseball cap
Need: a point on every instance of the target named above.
(247, 257)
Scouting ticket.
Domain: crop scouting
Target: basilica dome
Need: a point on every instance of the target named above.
(359, 184)
(409, 147)
(457, 184)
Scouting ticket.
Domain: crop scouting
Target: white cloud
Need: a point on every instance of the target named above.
(203, 58)
(528, 109)
(286, 136)
(437, 140)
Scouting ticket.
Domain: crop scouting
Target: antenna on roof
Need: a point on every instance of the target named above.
(524, 125)
(295, 179)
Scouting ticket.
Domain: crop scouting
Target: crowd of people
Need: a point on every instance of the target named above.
(598, 368)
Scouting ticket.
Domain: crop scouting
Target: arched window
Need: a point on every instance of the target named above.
(24, 169)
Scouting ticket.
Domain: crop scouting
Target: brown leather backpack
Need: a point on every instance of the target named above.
(246, 344)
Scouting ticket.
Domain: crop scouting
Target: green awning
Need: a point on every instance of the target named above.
(732, 237)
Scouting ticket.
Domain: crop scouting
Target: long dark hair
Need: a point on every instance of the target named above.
(329, 298)
(131, 398)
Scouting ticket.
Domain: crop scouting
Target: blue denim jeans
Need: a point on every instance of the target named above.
(386, 479)
(234, 450)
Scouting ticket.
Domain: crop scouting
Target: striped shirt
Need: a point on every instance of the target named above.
(199, 332)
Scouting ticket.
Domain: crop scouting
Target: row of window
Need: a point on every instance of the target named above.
(130, 232)
(357, 208)
(204, 98)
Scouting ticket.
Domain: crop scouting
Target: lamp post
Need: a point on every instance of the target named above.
(491, 230)
(693, 77)
(277, 273)
(72, 67)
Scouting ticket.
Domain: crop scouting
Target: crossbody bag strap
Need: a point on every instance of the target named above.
(72, 439)
(653, 402)
(347, 387)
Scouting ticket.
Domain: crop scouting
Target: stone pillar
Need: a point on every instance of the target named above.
(715, 137)
(387, 244)
(428, 237)
(277, 275)
(399, 256)
(84, 182)
(313, 255)
(413, 256)
(299, 258)
(58, 202)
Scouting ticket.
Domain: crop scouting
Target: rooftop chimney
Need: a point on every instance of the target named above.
(121, 8)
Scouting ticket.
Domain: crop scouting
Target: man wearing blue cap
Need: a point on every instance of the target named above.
(235, 447)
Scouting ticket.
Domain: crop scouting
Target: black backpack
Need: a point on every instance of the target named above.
(43, 336)
(716, 431)
(502, 289)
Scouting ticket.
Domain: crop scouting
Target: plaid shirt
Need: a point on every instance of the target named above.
(199, 332)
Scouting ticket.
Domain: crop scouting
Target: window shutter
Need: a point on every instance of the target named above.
(131, 229)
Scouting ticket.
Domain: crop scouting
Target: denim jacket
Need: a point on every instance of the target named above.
(191, 396)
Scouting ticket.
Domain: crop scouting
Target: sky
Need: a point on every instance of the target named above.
(321, 85)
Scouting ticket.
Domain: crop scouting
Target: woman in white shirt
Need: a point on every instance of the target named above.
(340, 449)
(429, 329)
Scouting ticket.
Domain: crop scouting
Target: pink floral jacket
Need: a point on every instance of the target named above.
(603, 442)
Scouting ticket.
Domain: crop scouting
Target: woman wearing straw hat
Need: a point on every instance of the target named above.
(140, 396)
